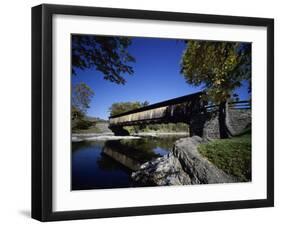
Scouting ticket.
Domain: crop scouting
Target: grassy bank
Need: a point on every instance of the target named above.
(96, 127)
(231, 155)
(92, 129)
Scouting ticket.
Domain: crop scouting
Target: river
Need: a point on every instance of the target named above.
(100, 164)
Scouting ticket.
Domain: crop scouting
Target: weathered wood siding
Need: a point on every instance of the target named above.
(173, 110)
(152, 114)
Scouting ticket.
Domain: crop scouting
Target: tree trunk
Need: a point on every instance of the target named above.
(224, 132)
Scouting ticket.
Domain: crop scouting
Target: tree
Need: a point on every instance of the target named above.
(81, 98)
(220, 67)
(108, 55)
(145, 103)
(121, 107)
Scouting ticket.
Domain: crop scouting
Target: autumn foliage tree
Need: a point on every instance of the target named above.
(107, 54)
(80, 102)
(220, 67)
(81, 96)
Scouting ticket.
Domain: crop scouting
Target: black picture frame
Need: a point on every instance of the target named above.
(42, 111)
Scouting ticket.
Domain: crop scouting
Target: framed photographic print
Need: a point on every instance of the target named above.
(146, 112)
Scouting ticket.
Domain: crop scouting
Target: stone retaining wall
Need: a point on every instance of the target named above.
(207, 125)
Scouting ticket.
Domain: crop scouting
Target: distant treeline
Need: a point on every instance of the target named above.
(121, 107)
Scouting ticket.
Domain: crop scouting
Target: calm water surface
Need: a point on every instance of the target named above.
(109, 164)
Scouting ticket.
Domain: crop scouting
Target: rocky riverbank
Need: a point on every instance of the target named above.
(77, 137)
(184, 165)
(99, 136)
(160, 134)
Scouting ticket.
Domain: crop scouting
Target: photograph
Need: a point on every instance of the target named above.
(141, 112)
(152, 111)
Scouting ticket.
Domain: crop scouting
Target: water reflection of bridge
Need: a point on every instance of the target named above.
(130, 153)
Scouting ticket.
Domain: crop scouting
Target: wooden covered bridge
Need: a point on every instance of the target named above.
(190, 109)
(174, 110)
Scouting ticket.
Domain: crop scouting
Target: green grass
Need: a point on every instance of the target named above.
(232, 155)
(92, 129)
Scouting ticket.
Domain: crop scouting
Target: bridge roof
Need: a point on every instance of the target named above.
(177, 100)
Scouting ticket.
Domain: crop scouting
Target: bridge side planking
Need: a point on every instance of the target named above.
(173, 110)
(177, 100)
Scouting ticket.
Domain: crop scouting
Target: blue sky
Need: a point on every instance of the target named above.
(156, 77)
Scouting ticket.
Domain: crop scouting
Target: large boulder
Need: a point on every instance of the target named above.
(165, 170)
(199, 169)
(237, 120)
(184, 165)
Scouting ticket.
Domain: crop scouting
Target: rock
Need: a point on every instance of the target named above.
(76, 139)
(238, 120)
(184, 165)
(199, 169)
(165, 170)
